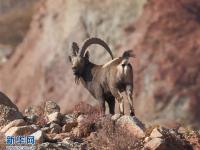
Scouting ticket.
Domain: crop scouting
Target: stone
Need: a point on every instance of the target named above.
(39, 136)
(115, 117)
(81, 119)
(51, 107)
(182, 130)
(8, 110)
(61, 136)
(55, 128)
(55, 117)
(32, 119)
(156, 144)
(46, 129)
(69, 123)
(132, 124)
(147, 139)
(53, 146)
(156, 133)
(14, 123)
(22, 130)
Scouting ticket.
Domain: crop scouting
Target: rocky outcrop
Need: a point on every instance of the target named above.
(93, 131)
(164, 39)
(166, 43)
(8, 110)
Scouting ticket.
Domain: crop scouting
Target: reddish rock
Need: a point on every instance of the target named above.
(156, 144)
(133, 125)
(15, 123)
(166, 43)
(8, 110)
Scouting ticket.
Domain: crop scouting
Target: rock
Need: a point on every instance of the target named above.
(115, 117)
(55, 117)
(156, 144)
(31, 119)
(55, 128)
(22, 130)
(156, 133)
(51, 107)
(75, 143)
(15, 123)
(134, 125)
(8, 110)
(147, 139)
(69, 123)
(54, 146)
(61, 136)
(77, 132)
(182, 130)
(46, 129)
(31, 110)
(39, 136)
(81, 119)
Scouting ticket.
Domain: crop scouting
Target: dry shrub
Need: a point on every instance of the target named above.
(111, 136)
(84, 108)
(38, 111)
(91, 116)
(42, 119)
(175, 140)
(108, 135)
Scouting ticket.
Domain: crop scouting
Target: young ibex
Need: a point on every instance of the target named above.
(105, 82)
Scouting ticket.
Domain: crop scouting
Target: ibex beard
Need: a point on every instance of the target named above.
(104, 82)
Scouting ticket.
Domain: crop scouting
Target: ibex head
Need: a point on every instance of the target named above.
(80, 57)
(78, 61)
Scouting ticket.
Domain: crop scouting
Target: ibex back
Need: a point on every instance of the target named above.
(105, 82)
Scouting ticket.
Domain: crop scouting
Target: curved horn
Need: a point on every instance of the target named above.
(94, 40)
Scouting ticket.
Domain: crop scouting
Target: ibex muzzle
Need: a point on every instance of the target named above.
(104, 82)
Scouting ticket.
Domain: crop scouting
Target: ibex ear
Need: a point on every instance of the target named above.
(75, 48)
(87, 55)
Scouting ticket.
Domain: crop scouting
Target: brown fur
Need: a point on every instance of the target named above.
(106, 82)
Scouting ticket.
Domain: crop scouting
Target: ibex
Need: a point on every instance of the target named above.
(104, 82)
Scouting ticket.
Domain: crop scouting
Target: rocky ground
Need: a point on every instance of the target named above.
(164, 35)
(85, 128)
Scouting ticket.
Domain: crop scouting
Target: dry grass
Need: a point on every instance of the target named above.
(39, 112)
(108, 135)
(113, 137)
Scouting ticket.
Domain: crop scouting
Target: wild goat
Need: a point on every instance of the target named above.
(105, 82)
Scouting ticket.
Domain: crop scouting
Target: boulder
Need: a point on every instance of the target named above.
(32, 119)
(156, 133)
(133, 124)
(55, 117)
(51, 107)
(69, 123)
(40, 136)
(55, 128)
(56, 146)
(115, 117)
(81, 119)
(46, 129)
(61, 136)
(15, 123)
(22, 130)
(156, 144)
(8, 110)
